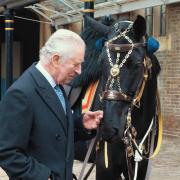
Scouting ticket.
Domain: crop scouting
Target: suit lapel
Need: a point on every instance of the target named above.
(70, 136)
(48, 95)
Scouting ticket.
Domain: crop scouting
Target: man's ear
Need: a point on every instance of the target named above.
(56, 60)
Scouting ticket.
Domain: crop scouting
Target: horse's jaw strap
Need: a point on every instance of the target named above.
(140, 90)
(124, 47)
(115, 95)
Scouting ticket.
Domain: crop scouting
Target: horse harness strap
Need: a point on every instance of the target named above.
(124, 47)
(115, 95)
(86, 106)
(130, 138)
(120, 96)
(140, 90)
(109, 93)
(129, 165)
(160, 127)
(93, 142)
(160, 132)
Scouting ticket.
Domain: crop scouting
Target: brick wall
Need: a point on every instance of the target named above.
(169, 80)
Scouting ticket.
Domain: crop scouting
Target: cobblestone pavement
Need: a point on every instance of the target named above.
(165, 166)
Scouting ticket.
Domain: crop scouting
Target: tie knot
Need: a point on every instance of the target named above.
(60, 96)
(57, 87)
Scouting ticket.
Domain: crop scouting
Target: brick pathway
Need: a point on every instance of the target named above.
(165, 166)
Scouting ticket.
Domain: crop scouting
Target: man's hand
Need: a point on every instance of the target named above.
(91, 120)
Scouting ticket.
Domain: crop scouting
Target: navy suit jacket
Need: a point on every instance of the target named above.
(36, 137)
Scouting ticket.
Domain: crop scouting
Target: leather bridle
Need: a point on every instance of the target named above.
(124, 47)
(133, 101)
(120, 96)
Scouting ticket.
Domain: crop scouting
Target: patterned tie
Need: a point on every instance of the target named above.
(60, 96)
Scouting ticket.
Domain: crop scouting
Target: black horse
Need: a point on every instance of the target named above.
(127, 73)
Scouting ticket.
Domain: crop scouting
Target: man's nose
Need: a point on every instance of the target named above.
(78, 70)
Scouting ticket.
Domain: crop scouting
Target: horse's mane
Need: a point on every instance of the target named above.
(91, 68)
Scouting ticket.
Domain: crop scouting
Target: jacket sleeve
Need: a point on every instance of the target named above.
(16, 118)
(82, 133)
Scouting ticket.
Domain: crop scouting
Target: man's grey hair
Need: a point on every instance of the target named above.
(63, 42)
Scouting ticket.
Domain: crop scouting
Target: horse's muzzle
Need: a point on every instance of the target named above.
(111, 135)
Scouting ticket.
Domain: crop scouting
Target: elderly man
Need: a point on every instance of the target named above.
(36, 125)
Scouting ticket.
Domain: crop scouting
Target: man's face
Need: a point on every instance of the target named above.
(67, 70)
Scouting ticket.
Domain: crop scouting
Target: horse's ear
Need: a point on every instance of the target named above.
(139, 27)
(97, 26)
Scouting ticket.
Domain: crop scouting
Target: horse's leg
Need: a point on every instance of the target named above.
(125, 171)
(142, 170)
(110, 173)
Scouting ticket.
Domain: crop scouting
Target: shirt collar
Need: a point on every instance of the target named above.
(48, 77)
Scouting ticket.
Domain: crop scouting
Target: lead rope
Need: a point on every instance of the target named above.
(93, 141)
(138, 157)
(86, 105)
(160, 132)
(160, 123)
(138, 152)
(106, 154)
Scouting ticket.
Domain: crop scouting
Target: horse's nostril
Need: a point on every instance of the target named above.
(116, 131)
(108, 134)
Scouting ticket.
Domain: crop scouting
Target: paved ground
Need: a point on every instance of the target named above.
(166, 166)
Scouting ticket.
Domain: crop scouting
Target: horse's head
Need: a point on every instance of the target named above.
(123, 74)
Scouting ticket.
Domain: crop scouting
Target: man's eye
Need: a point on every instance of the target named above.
(76, 65)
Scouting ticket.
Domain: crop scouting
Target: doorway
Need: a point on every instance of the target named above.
(25, 45)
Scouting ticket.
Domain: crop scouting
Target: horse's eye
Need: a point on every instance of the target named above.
(138, 64)
(128, 64)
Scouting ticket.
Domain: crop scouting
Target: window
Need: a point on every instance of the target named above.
(149, 20)
(162, 20)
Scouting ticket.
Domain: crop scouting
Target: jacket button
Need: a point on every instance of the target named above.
(58, 137)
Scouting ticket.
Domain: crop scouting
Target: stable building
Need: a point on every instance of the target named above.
(33, 22)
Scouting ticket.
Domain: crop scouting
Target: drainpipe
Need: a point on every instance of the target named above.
(9, 28)
(88, 10)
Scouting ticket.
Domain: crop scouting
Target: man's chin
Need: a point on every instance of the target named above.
(67, 81)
